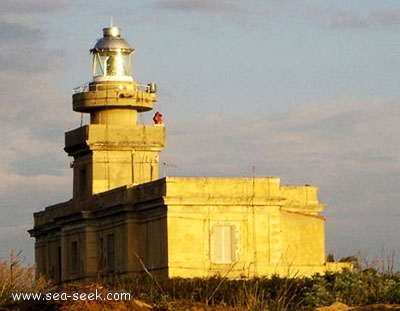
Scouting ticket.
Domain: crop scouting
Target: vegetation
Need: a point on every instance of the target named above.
(15, 277)
(354, 288)
(273, 294)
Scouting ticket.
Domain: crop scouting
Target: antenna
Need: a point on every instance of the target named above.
(167, 165)
(111, 22)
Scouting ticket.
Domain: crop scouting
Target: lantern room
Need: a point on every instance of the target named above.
(112, 57)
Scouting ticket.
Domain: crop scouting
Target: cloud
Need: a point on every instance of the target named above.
(336, 17)
(33, 111)
(197, 6)
(39, 183)
(249, 17)
(214, 15)
(27, 155)
(24, 50)
(39, 6)
(26, 13)
(348, 134)
(14, 229)
(21, 34)
(384, 17)
(15, 239)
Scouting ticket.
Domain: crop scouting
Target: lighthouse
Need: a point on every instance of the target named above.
(123, 220)
(113, 150)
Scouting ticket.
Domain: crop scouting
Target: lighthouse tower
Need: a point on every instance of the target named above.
(122, 221)
(113, 150)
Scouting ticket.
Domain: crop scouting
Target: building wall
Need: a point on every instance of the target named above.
(48, 254)
(111, 169)
(303, 239)
(107, 156)
(238, 227)
(153, 244)
(72, 246)
(185, 227)
(262, 242)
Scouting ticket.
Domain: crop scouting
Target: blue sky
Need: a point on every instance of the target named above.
(307, 91)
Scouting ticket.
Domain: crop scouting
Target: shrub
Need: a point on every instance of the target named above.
(275, 293)
(15, 277)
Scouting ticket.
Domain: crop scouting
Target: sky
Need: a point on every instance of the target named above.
(307, 91)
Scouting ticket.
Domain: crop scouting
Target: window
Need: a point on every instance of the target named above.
(223, 244)
(59, 264)
(110, 253)
(74, 259)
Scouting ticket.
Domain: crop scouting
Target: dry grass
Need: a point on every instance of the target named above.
(15, 277)
(362, 287)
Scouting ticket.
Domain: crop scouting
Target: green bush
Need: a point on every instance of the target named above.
(274, 293)
(392, 292)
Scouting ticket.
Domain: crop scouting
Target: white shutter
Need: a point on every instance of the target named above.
(223, 244)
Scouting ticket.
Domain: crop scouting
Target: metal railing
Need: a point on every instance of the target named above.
(148, 88)
(81, 88)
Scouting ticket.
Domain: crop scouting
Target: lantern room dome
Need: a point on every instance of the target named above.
(112, 41)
